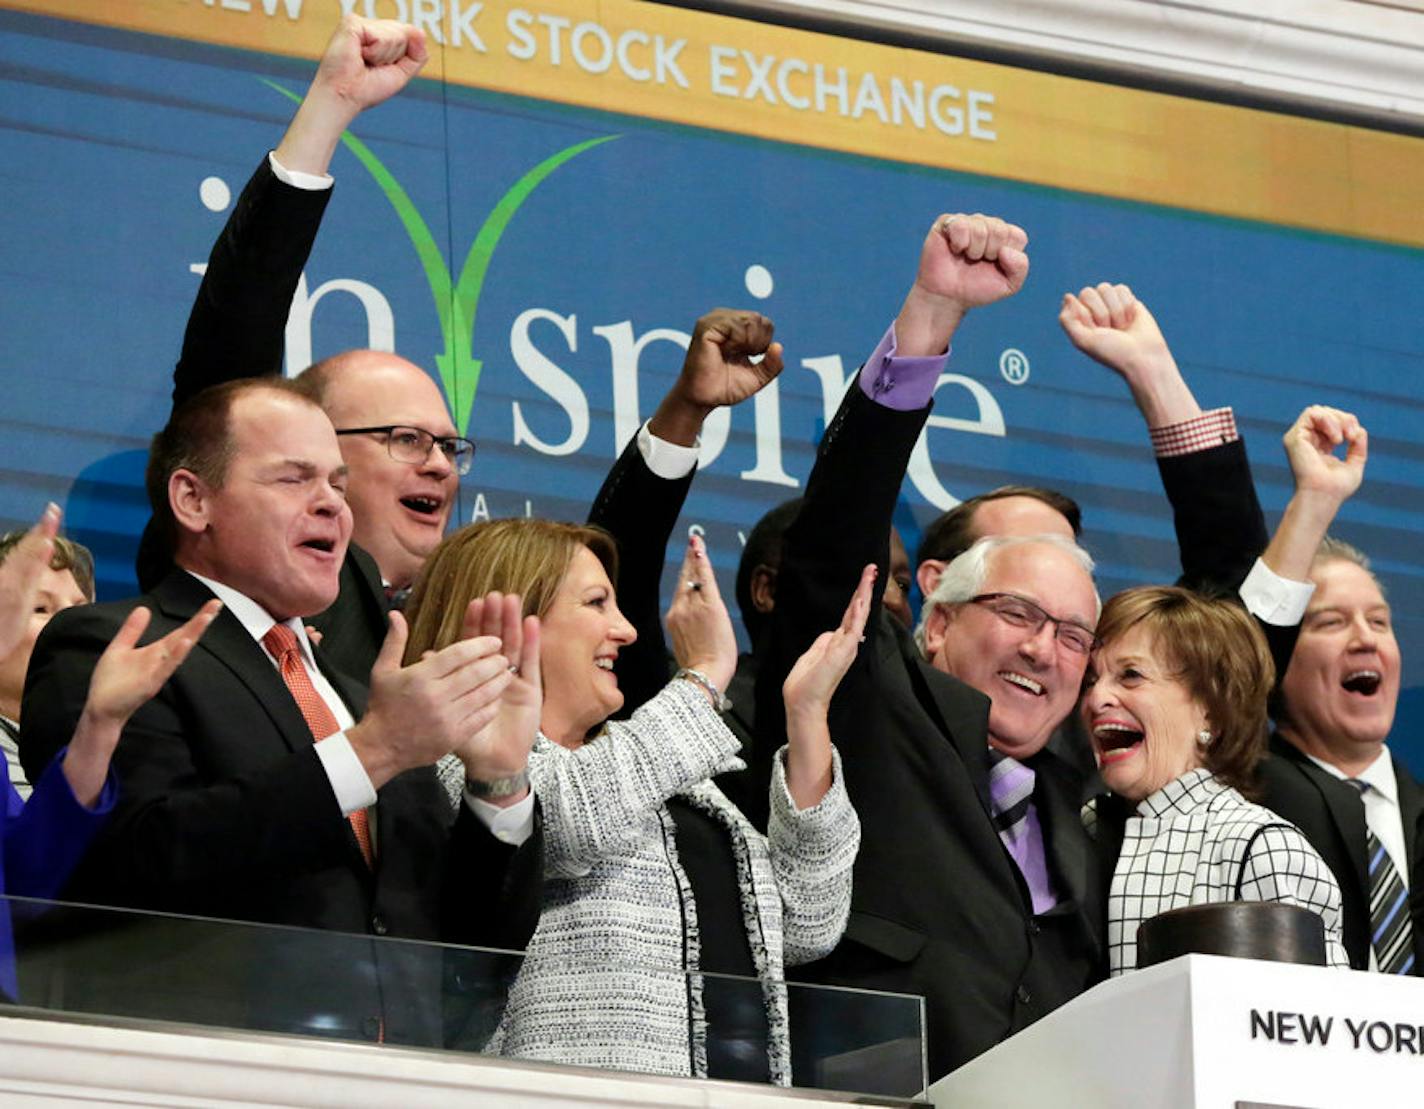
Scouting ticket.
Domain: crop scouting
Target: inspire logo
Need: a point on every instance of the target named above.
(456, 303)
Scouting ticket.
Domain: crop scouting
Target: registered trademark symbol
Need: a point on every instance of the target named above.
(1013, 364)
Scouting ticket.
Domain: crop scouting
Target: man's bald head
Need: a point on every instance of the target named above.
(400, 508)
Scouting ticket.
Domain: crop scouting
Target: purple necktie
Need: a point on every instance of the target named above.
(1011, 798)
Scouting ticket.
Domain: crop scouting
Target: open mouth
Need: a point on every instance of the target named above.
(325, 546)
(1366, 683)
(1022, 681)
(1116, 741)
(425, 506)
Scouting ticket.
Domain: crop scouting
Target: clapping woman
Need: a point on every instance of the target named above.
(653, 878)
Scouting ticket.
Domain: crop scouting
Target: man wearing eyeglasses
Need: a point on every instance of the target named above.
(974, 886)
(403, 452)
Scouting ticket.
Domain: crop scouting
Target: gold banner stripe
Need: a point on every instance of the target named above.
(861, 98)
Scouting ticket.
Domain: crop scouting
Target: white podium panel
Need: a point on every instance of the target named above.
(1214, 1033)
(49, 1063)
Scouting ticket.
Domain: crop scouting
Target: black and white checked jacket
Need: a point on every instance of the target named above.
(1197, 841)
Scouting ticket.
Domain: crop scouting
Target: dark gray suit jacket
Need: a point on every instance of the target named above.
(225, 811)
(1332, 816)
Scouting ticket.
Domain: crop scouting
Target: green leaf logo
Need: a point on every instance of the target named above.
(456, 306)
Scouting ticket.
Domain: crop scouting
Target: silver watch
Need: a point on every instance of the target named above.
(500, 787)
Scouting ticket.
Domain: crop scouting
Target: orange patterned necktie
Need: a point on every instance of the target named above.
(281, 641)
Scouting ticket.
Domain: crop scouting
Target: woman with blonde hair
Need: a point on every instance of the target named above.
(656, 885)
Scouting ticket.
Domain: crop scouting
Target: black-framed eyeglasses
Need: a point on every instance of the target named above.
(413, 445)
(1020, 612)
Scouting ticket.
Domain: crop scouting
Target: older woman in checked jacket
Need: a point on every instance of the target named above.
(1175, 702)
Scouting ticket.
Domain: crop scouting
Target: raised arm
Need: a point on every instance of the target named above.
(643, 494)
(1202, 461)
(238, 322)
(844, 523)
(807, 693)
(1110, 325)
(964, 262)
(1278, 588)
(1323, 483)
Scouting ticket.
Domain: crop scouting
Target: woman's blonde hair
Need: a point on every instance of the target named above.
(524, 556)
(1216, 650)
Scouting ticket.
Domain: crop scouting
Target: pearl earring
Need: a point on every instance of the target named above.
(1204, 738)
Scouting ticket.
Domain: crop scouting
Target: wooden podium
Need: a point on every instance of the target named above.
(1207, 1032)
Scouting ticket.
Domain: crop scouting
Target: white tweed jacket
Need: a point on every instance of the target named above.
(604, 982)
(1196, 841)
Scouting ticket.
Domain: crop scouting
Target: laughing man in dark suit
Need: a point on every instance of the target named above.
(250, 791)
(1330, 771)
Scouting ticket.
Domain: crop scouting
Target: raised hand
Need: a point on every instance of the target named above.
(126, 676)
(1110, 325)
(718, 370)
(817, 673)
(1310, 448)
(1323, 483)
(501, 748)
(808, 690)
(366, 61)
(966, 261)
(697, 620)
(419, 713)
(20, 576)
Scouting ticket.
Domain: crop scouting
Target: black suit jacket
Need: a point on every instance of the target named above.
(225, 811)
(237, 330)
(1332, 816)
(939, 908)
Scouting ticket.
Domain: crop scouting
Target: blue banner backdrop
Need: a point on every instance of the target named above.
(123, 153)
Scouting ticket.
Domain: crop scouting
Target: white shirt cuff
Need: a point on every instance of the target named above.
(312, 182)
(512, 825)
(1274, 599)
(668, 461)
(348, 777)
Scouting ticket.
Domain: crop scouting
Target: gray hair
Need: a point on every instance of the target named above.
(964, 577)
(1332, 549)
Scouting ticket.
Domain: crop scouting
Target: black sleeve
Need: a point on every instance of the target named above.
(640, 510)
(238, 323)
(493, 891)
(844, 523)
(1221, 530)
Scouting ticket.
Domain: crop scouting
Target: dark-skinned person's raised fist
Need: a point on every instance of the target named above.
(730, 357)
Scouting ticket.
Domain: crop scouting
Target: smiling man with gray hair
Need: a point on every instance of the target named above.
(976, 884)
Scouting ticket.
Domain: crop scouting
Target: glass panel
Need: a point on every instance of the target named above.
(114, 963)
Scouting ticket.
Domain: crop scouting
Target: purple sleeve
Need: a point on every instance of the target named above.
(904, 384)
(48, 836)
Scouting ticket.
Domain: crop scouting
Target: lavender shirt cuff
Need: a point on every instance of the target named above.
(904, 384)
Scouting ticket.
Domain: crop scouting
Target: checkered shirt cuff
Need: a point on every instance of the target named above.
(1211, 429)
